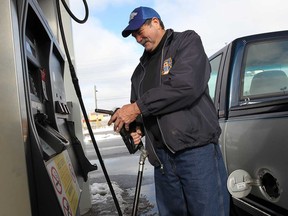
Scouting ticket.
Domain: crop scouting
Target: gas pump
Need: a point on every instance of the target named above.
(55, 158)
(41, 159)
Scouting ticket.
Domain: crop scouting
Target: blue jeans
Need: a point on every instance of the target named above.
(193, 182)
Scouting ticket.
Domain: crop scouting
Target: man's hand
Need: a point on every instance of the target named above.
(124, 116)
(136, 136)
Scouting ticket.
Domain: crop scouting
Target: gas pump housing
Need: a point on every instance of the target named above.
(42, 159)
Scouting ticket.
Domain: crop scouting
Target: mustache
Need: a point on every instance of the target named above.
(143, 41)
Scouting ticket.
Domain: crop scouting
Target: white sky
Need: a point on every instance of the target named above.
(107, 60)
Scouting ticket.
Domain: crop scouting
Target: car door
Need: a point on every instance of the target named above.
(256, 118)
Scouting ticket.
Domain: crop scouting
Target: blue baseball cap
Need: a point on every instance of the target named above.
(137, 18)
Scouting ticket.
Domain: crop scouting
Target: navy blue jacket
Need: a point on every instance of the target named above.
(185, 112)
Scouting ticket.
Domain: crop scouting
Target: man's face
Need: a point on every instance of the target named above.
(149, 35)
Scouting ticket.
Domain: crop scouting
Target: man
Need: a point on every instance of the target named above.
(170, 95)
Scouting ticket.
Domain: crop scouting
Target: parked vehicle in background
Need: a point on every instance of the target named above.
(249, 85)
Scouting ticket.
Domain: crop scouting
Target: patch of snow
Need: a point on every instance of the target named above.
(101, 136)
(100, 192)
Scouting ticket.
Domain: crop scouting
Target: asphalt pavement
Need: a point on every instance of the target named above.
(122, 169)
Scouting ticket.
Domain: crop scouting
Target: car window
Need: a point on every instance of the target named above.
(265, 70)
(215, 65)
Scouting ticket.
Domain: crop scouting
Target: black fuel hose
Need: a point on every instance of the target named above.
(73, 16)
(78, 93)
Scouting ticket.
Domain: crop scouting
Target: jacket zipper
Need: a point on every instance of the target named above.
(152, 147)
(147, 134)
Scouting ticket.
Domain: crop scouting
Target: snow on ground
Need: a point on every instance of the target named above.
(101, 198)
(106, 136)
(100, 129)
(101, 134)
(100, 192)
(103, 203)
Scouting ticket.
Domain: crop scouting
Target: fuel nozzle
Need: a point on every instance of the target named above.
(125, 134)
(128, 140)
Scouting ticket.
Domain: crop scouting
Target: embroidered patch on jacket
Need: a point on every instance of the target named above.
(167, 65)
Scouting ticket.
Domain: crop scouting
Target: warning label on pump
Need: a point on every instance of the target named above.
(64, 182)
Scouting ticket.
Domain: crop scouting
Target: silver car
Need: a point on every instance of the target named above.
(249, 84)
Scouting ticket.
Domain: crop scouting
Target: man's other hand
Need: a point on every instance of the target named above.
(136, 136)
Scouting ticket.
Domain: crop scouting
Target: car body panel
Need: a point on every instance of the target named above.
(254, 125)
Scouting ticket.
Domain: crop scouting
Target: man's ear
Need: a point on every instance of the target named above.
(155, 21)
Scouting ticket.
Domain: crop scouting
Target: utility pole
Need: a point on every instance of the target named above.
(95, 93)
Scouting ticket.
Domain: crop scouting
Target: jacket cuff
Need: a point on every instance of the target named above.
(142, 107)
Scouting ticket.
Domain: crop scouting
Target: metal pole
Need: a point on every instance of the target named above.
(143, 156)
(95, 93)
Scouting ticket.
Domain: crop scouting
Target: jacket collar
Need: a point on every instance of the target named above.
(169, 33)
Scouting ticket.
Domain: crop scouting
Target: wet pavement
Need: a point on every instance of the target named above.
(122, 169)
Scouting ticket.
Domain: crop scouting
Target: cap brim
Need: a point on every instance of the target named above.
(126, 33)
(136, 24)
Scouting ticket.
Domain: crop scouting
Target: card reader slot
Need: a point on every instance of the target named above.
(48, 151)
(52, 137)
